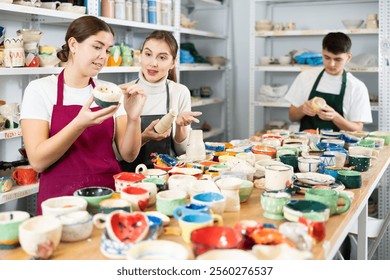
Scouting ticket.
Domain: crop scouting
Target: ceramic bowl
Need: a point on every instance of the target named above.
(265, 150)
(63, 204)
(9, 228)
(76, 226)
(216, 201)
(350, 179)
(216, 60)
(93, 195)
(273, 203)
(215, 237)
(352, 23)
(309, 209)
(30, 35)
(227, 254)
(40, 236)
(246, 190)
(382, 134)
(124, 179)
(158, 250)
(113, 249)
(48, 60)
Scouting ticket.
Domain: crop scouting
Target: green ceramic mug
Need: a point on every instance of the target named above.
(329, 198)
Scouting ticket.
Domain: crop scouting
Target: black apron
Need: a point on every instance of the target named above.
(160, 147)
(334, 101)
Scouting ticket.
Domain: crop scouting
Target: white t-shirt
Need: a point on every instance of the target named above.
(356, 103)
(41, 95)
(156, 103)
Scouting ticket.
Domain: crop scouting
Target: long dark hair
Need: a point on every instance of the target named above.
(81, 29)
(171, 41)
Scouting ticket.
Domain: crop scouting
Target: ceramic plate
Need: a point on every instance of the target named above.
(302, 187)
(313, 178)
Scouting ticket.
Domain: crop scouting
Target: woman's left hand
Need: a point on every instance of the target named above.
(134, 100)
(187, 118)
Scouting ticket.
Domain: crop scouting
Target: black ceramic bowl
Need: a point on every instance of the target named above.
(93, 195)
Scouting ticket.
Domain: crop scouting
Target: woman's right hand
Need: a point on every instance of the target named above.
(150, 134)
(307, 108)
(86, 117)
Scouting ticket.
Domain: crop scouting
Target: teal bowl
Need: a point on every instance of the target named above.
(351, 179)
(93, 196)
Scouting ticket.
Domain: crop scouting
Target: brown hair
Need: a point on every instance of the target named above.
(81, 29)
(337, 42)
(171, 41)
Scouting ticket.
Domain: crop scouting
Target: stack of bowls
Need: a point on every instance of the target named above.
(263, 25)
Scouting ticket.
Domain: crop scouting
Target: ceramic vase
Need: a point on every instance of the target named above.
(195, 148)
(166, 122)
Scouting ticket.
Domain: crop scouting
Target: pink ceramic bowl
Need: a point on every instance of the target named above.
(216, 237)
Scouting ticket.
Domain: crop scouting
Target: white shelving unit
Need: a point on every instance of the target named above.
(276, 43)
(53, 23)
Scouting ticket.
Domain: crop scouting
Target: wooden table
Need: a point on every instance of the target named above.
(337, 227)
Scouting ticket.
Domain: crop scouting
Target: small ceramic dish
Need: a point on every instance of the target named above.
(246, 190)
(309, 209)
(76, 226)
(215, 146)
(265, 150)
(63, 204)
(314, 178)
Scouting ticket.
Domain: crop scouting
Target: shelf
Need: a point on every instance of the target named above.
(64, 18)
(57, 70)
(314, 32)
(374, 106)
(299, 68)
(199, 67)
(213, 132)
(197, 102)
(17, 192)
(189, 31)
(10, 133)
(272, 104)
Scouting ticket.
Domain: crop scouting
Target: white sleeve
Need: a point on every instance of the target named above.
(297, 93)
(34, 105)
(359, 108)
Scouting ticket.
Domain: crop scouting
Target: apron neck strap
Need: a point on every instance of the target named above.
(60, 87)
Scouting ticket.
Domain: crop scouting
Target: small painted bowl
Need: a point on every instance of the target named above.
(124, 179)
(350, 179)
(93, 195)
(264, 150)
(309, 209)
(9, 228)
(215, 237)
(273, 203)
(246, 190)
(63, 204)
(158, 250)
(76, 226)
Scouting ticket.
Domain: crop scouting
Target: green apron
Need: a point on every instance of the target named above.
(334, 101)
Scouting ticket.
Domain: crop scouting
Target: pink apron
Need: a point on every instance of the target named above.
(90, 161)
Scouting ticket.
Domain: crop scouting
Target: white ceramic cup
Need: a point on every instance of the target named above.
(278, 177)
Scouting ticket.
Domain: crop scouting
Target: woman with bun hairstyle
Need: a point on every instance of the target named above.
(68, 138)
(158, 79)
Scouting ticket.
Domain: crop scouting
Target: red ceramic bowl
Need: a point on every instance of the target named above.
(124, 179)
(265, 150)
(166, 168)
(215, 237)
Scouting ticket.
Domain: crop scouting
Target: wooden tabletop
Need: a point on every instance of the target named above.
(337, 227)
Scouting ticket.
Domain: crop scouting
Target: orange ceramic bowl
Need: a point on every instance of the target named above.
(264, 150)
